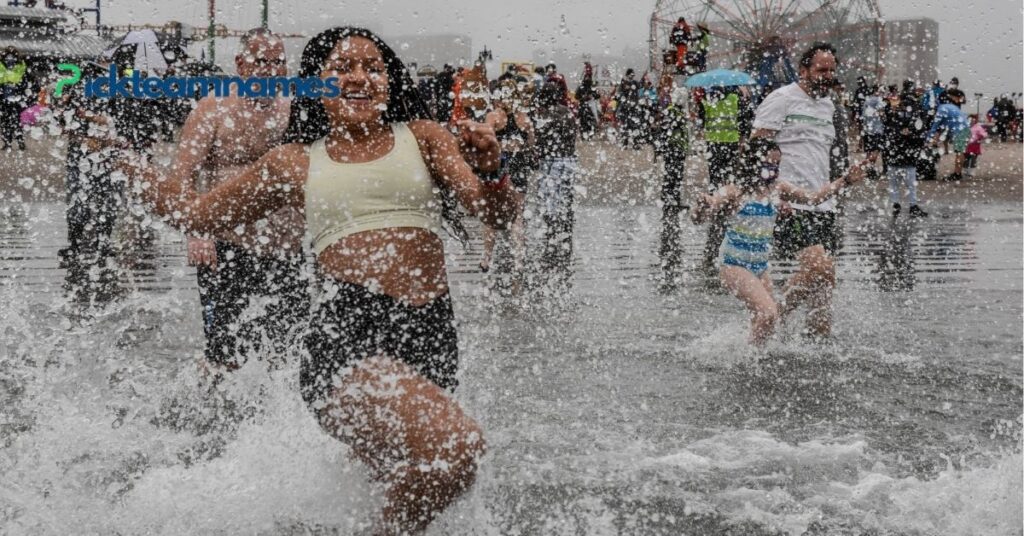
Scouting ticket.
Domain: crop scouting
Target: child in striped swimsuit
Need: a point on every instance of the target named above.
(747, 248)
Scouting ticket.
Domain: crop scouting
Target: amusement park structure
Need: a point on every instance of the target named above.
(764, 37)
(54, 10)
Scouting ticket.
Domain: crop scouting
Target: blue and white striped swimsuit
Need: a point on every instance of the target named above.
(748, 239)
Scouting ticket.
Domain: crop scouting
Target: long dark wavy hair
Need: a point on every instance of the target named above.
(309, 122)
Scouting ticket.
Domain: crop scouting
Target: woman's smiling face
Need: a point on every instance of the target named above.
(362, 76)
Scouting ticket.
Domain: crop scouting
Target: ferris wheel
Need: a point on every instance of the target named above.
(750, 34)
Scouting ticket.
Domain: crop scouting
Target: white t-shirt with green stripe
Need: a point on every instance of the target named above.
(805, 136)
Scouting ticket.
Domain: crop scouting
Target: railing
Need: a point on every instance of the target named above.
(186, 32)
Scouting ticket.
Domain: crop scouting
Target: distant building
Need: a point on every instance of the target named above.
(912, 50)
(433, 49)
(608, 68)
(42, 36)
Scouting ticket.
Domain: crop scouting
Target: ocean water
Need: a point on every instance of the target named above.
(613, 408)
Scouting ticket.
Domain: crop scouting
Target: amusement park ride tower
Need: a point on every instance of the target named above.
(765, 37)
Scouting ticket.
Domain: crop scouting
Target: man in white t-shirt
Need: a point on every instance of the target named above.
(799, 118)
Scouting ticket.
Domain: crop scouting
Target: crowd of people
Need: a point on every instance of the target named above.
(901, 123)
(376, 175)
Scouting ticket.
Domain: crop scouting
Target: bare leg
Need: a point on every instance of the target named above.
(413, 437)
(958, 163)
(518, 245)
(489, 239)
(766, 281)
(757, 296)
(813, 284)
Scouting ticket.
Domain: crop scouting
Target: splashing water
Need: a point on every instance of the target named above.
(611, 407)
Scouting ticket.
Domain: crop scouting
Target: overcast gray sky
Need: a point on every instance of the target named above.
(981, 41)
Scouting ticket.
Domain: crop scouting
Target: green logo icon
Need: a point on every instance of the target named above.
(76, 75)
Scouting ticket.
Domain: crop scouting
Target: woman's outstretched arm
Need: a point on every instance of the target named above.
(493, 203)
(272, 182)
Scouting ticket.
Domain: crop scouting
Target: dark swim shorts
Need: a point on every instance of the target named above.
(803, 229)
(228, 290)
(351, 323)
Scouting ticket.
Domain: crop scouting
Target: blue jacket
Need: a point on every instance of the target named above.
(931, 98)
(950, 117)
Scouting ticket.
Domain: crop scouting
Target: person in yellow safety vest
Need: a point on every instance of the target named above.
(673, 145)
(12, 97)
(720, 116)
(12, 74)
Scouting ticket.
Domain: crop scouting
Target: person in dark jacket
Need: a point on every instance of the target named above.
(680, 38)
(556, 133)
(859, 96)
(702, 42)
(443, 99)
(901, 147)
(138, 122)
(628, 112)
(93, 198)
(587, 97)
(1004, 113)
(673, 146)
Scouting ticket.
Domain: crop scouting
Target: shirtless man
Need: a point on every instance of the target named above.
(256, 264)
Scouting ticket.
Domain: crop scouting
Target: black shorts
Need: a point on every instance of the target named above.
(240, 279)
(724, 165)
(874, 142)
(971, 161)
(520, 165)
(803, 229)
(355, 323)
(520, 181)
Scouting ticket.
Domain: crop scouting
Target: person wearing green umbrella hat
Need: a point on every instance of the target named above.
(720, 77)
(721, 114)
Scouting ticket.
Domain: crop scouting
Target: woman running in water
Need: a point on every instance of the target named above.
(366, 169)
(747, 247)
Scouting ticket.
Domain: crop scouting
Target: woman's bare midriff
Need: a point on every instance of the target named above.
(406, 263)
